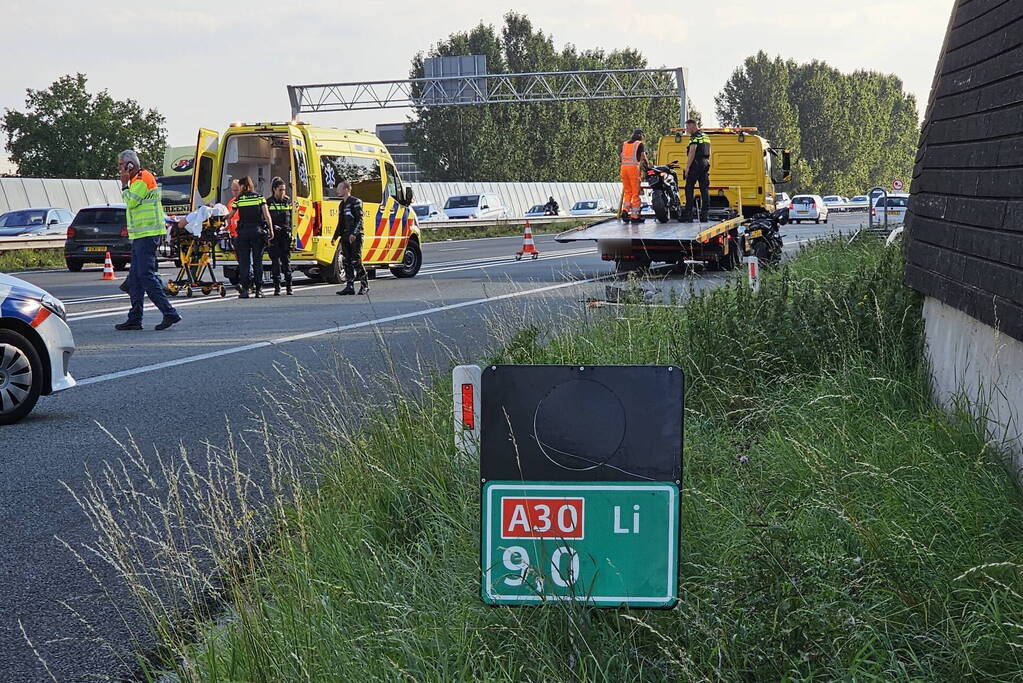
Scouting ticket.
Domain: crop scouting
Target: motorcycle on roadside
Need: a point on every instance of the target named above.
(765, 239)
(664, 199)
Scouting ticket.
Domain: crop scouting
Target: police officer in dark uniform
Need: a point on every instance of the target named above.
(254, 225)
(697, 170)
(279, 205)
(349, 231)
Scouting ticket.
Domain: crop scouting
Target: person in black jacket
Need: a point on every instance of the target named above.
(349, 231)
(279, 205)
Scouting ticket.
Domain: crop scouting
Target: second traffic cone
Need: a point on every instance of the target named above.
(108, 268)
(527, 244)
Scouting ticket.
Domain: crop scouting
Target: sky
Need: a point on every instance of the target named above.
(205, 66)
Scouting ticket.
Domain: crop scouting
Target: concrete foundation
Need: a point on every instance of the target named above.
(975, 366)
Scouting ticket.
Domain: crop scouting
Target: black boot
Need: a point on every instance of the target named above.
(287, 288)
(363, 288)
(349, 289)
(259, 292)
(243, 293)
(277, 289)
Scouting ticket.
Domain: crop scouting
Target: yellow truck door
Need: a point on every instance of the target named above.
(301, 191)
(205, 173)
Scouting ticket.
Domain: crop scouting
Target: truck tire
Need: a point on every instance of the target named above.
(660, 206)
(731, 260)
(21, 376)
(412, 261)
(333, 273)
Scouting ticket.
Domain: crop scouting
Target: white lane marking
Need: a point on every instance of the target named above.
(330, 330)
(454, 249)
(502, 261)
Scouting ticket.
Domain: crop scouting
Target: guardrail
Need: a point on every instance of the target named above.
(492, 222)
(35, 242)
(57, 242)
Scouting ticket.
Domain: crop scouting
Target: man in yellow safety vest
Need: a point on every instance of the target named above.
(146, 228)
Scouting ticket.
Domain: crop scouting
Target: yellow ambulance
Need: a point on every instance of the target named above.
(311, 160)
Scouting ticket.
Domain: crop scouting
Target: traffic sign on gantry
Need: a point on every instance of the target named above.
(580, 468)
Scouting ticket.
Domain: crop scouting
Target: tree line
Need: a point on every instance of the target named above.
(847, 131)
(543, 142)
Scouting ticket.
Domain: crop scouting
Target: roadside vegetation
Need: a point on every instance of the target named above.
(835, 524)
(449, 230)
(30, 259)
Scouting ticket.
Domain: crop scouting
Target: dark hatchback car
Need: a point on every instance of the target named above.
(95, 231)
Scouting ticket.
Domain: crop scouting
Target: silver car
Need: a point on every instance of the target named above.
(47, 220)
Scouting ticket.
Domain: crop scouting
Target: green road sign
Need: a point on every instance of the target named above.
(608, 544)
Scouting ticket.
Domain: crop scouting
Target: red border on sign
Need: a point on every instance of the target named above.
(557, 504)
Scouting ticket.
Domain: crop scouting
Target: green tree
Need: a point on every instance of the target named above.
(757, 94)
(848, 132)
(65, 132)
(560, 141)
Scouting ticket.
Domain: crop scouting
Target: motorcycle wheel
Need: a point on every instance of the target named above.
(659, 204)
(761, 251)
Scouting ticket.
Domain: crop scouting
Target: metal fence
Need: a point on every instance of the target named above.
(520, 197)
(73, 194)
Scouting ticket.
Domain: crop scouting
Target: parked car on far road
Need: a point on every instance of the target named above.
(590, 207)
(427, 211)
(894, 206)
(47, 220)
(860, 202)
(836, 202)
(536, 211)
(95, 231)
(475, 206)
(808, 207)
(35, 347)
(782, 200)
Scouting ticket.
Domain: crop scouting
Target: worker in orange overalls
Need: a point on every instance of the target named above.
(633, 156)
(232, 222)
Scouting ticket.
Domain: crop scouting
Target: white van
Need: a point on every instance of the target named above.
(475, 206)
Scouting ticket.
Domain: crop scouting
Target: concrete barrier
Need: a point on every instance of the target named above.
(520, 197)
(73, 194)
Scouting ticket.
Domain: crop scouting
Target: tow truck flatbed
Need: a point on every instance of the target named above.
(650, 231)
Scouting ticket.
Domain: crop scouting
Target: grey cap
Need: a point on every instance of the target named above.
(637, 133)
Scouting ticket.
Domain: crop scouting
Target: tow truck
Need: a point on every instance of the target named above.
(741, 186)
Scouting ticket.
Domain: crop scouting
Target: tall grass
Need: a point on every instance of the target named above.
(834, 523)
(27, 259)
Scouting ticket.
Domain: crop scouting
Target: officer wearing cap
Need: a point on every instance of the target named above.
(697, 169)
(279, 205)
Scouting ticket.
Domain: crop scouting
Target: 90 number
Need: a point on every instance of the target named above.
(516, 559)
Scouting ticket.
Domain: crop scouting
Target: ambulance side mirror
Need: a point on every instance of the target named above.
(407, 199)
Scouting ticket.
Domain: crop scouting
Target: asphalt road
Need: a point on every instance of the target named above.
(180, 387)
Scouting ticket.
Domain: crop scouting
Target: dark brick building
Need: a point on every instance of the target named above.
(964, 244)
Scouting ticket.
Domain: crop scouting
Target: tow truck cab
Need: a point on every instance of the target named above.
(740, 168)
(311, 161)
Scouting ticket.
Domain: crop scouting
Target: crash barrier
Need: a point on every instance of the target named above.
(73, 194)
(518, 198)
(43, 242)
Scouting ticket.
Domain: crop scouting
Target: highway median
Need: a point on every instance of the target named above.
(834, 522)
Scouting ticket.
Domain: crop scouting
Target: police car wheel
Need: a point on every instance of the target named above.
(21, 376)
(75, 266)
(412, 261)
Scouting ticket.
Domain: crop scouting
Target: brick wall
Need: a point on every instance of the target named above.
(964, 242)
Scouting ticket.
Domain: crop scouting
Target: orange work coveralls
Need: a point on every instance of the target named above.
(630, 178)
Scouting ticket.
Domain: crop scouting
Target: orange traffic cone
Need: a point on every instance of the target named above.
(527, 244)
(108, 268)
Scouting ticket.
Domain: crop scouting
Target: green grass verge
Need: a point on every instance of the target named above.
(29, 259)
(835, 524)
(449, 230)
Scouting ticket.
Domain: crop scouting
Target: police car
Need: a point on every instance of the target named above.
(35, 347)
